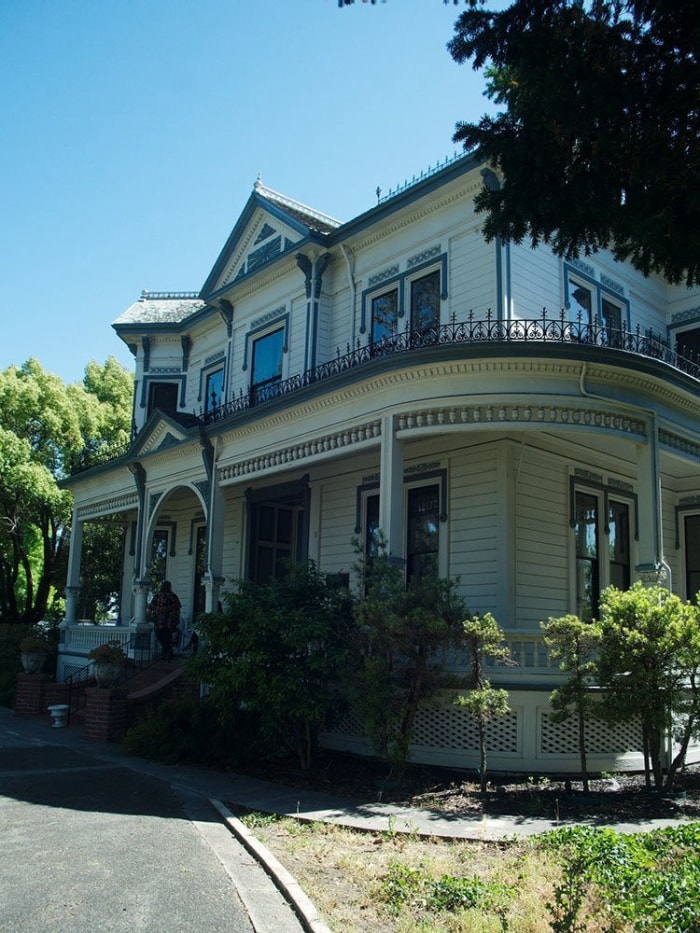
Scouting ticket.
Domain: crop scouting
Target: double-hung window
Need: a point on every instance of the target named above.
(385, 315)
(163, 396)
(589, 302)
(423, 532)
(425, 302)
(214, 390)
(602, 544)
(266, 363)
(692, 557)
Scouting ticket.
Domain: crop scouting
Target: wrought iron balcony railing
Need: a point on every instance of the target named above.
(543, 330)
(547, 329)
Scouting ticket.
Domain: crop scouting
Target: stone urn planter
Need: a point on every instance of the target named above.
(33, 661)
(109, 663)
(34, 649)
(107, 673)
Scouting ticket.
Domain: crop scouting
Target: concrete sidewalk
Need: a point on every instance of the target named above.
(269, 797)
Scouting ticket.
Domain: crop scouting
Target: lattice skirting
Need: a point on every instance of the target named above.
(524, 741)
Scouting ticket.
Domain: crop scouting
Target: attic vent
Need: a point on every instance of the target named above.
(266, 232)
(265, 253)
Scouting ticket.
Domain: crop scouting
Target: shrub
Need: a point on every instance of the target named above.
(186, 731)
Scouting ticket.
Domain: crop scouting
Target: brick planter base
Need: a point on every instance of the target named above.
(105, 714)
(31, 694)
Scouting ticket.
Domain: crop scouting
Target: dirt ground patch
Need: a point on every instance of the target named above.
(621, 797)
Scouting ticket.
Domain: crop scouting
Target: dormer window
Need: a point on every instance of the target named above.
(163, 396)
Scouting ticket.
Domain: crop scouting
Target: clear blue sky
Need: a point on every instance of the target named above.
(133, 132)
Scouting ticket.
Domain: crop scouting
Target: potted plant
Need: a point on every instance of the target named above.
(34, 649)
(109, 661)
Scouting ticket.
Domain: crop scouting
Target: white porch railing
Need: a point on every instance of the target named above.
(530, 662)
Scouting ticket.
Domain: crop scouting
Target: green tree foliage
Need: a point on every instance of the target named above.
(483, 638)
(403, 631)
(277, 651)
(649, 666)
(44, 426)
(574, 644)
(598, 136)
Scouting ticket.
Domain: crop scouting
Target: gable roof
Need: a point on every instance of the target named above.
(161, 431)
(268, 210)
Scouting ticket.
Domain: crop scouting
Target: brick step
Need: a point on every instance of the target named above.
(161, 671)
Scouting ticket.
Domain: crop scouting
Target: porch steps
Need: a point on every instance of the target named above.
(153, 680)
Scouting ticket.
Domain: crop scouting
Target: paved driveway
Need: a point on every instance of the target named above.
(88, 845)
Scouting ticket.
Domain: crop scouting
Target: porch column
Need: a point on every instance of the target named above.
(212, 589)
(73, 582)
(650, 566)
(391, 489)
(141, 590)
(214, 578)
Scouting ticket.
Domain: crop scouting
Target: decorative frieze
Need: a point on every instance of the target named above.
(522, 413)
(383, 275)
(589, 475)
(689, 316)
(302, 451)
(621, 485)
(582, 266)
(681, 444)
(266, 318)
(425, 256)
(417, 468)
(115, 504)
(611, 284)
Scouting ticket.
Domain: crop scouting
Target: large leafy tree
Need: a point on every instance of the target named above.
(597, 139)
(44, 426)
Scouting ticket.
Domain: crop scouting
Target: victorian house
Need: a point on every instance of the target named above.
(526, 424)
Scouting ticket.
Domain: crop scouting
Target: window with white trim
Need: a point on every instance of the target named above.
(691, 528)
(214, 389)
(425, 301)
(422, 532)
(163, 396)
(602, 548)
(589, 302)
(266, 362)
(385, 315)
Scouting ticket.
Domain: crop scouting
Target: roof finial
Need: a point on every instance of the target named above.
(258, 182)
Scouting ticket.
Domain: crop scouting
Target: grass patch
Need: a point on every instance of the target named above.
(577, 881)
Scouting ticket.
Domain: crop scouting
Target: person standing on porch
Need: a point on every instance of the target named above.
(164, 612)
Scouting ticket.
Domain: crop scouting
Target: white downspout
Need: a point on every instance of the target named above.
(353, 291)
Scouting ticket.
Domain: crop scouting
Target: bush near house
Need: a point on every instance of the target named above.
(401, 633)
(276, 651)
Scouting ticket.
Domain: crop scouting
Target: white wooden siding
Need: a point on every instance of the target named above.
(542, 545)
(472, 276)
(473, 523)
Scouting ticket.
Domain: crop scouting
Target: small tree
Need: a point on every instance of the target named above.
(483, 637)
(277, 651)
(574, 644)
(649, 665)
(402, 630)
